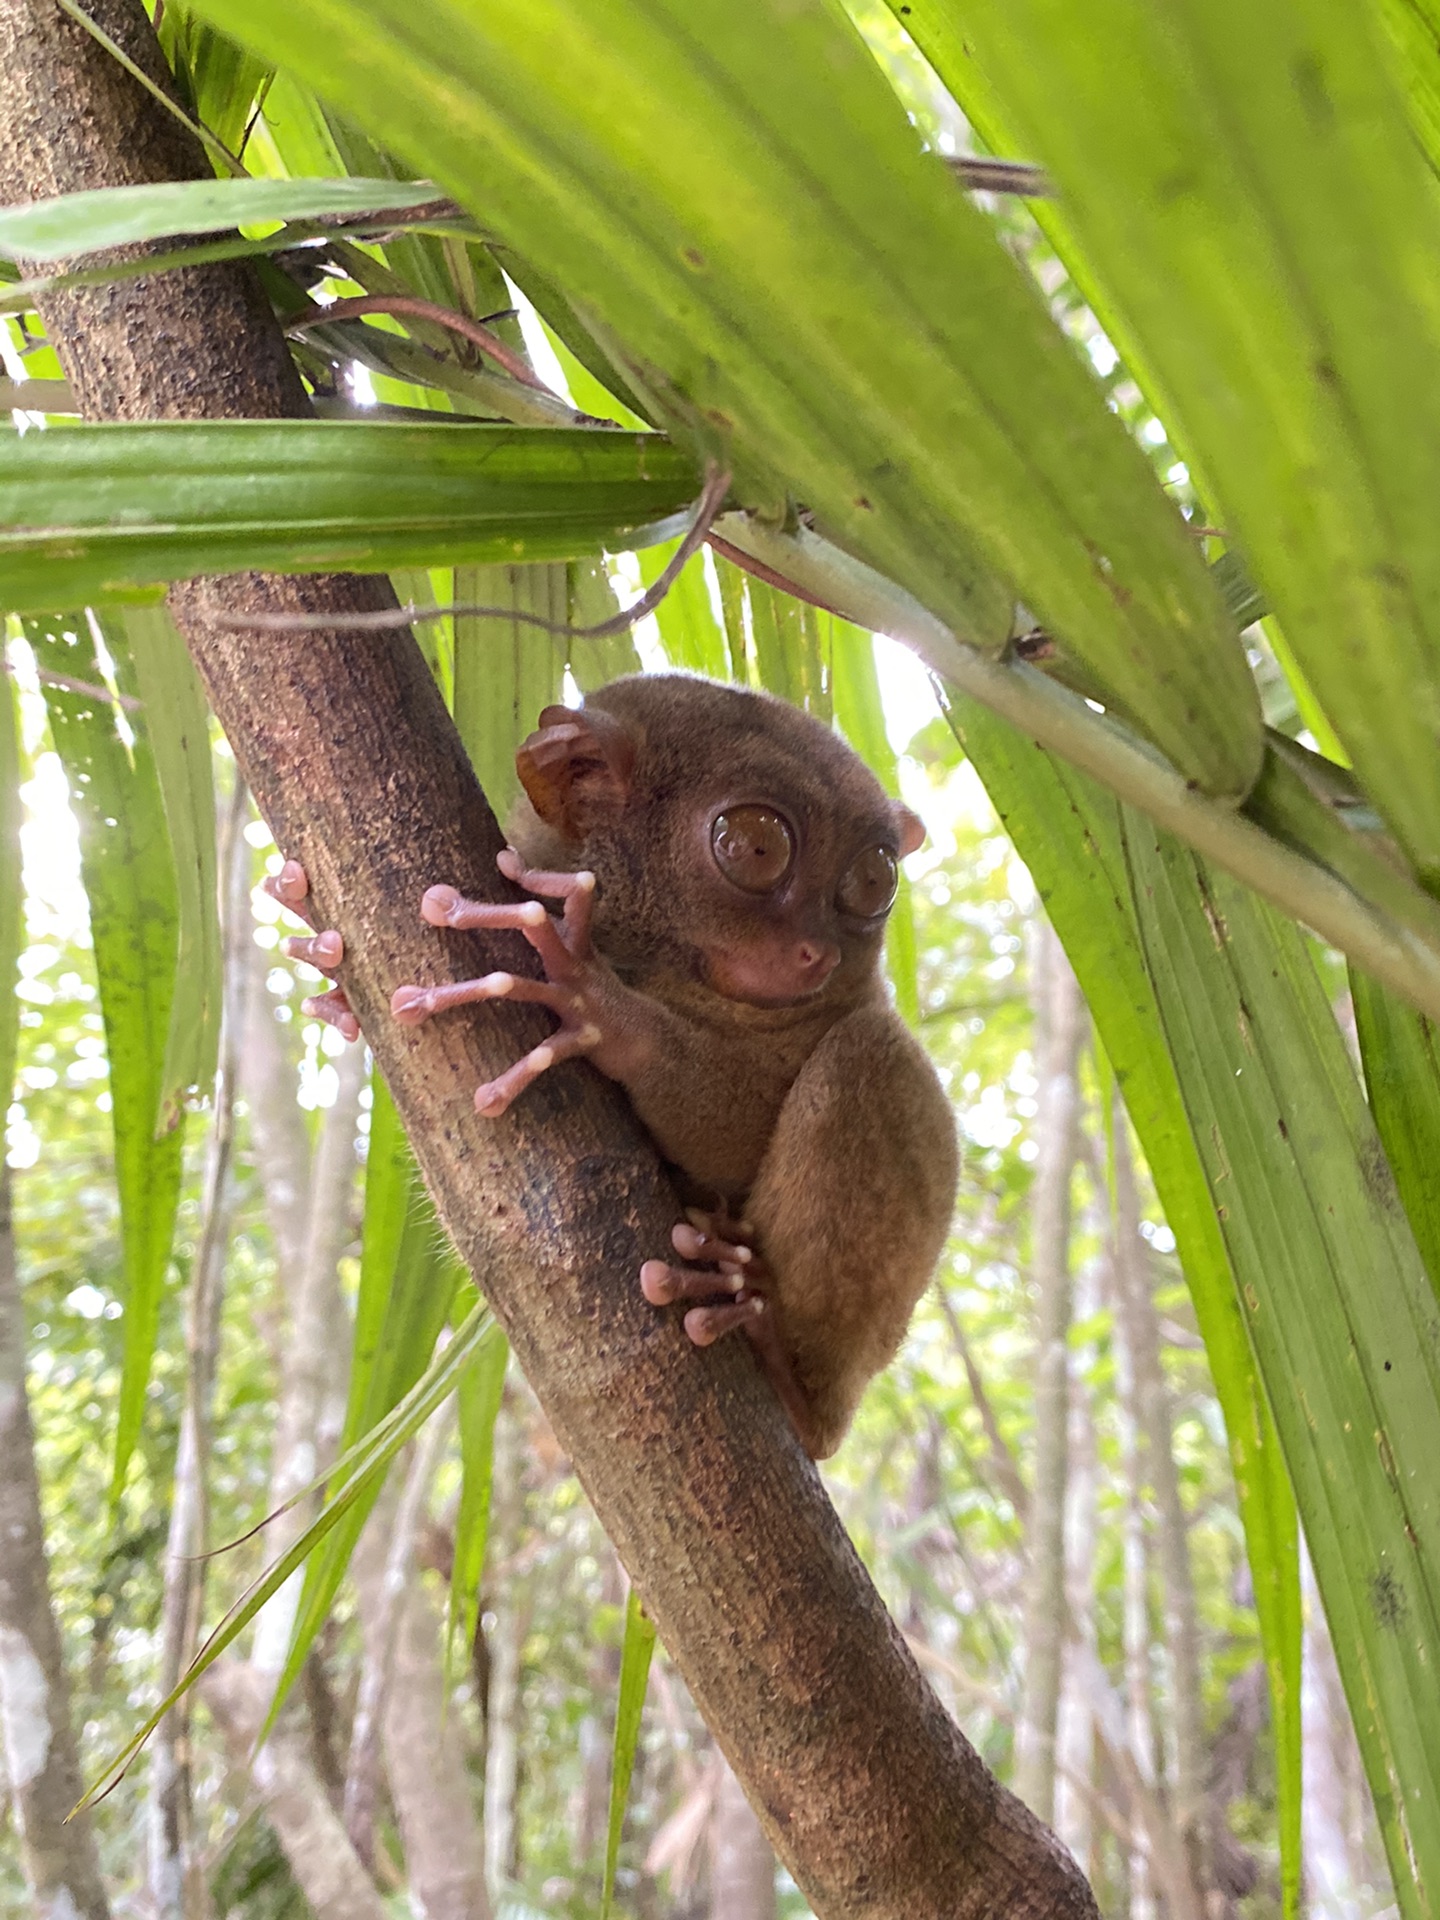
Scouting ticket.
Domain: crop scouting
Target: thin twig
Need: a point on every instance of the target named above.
(712, 500)
(411, 306)
(758, 570)
(88, 687)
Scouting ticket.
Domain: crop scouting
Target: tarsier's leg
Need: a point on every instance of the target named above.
(849, 1212)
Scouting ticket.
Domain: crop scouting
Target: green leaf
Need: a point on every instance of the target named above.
(480, 1389)
(74, 223)
(792, 655)
(1340, 1309)
(1414, 28)
(596, 384)
(594, 662)
(12, 900)
(505, 672)
(1245, 185)
(689, 632)
(1402, 1076)
(129, 875)
(732, 610)
(635, 1656)
(221, 80)
(860, 715)
(94, 512)
(884, 357)
(1073, 836)
(297, 127)
(177, 730)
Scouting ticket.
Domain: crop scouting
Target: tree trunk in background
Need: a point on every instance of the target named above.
(315, 1350)
(62, 1872)
(1232, 1755)
(431, 1787)
(1059, 1028)
(879, 1805)
(278, 1140)
(510, 1605)
(393, 1533)
(590, 1809)
(1075, 1728)
(742, 1861)
(292, 1796)
(1135, 1633)
(1140, 1335)
(429, 1782)
(175, 1876)
(1332, 1813)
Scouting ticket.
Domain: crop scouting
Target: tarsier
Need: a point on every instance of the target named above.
(725, 867)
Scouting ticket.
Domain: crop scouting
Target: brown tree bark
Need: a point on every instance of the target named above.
(62, 1873)
(868, 1791)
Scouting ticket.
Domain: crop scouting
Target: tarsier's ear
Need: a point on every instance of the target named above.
(911, 829)
(576, 768)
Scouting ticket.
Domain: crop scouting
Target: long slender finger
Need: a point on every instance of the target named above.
(707, 1220)
(496, 1095)
(577, 890)
(411, 1005)
(696, 1245)
(444, 907)
(290, 886)
(554, 886)
(663, 1284)
(335, 1010)
(322, 950)
(706, 1325)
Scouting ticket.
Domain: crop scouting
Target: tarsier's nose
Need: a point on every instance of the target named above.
(816, 960)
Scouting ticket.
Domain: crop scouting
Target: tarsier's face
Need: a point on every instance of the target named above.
(733, 837)
(788, 897)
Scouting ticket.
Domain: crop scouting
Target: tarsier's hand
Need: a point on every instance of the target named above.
(574, 977)
(324, 950)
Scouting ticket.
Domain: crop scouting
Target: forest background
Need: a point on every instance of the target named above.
(1054, 1387)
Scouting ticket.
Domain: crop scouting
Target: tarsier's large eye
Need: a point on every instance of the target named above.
(753, 847)
(867, 886)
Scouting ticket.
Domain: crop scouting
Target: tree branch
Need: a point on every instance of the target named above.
(866, 1788)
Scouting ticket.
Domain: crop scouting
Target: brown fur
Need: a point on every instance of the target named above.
(820, 1121)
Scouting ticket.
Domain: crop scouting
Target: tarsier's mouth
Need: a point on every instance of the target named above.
(758, 984)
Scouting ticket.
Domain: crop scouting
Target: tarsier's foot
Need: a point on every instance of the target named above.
(735, 1290)
(324, 951)
(565, 952)
(730, 1283)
